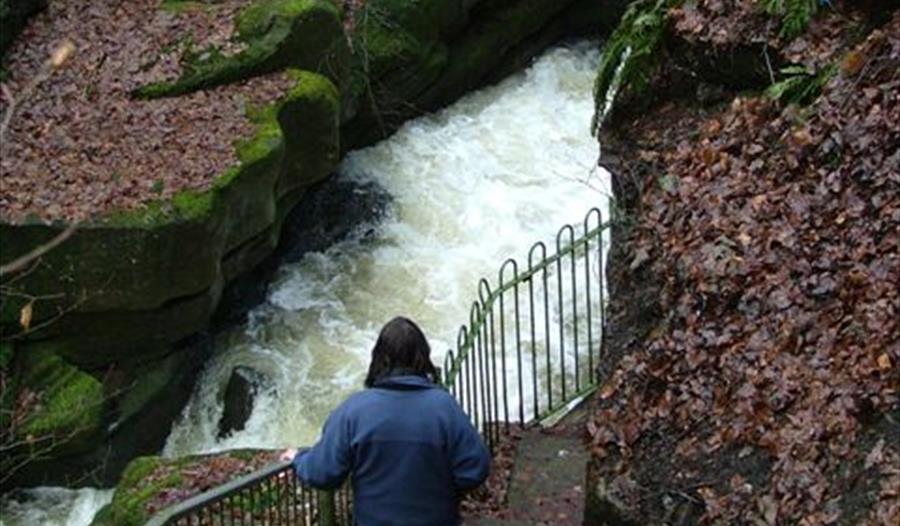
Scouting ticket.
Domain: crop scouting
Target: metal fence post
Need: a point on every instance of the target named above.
(327, 511)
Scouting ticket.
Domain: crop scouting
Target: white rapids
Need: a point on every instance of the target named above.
(53, 507)
(472, 185)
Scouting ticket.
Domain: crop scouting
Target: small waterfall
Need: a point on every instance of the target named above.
(53, 507)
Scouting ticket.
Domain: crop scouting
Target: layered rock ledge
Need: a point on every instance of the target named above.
(123, 304)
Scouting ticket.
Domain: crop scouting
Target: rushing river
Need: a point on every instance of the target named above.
(472, 185)
(53, 507)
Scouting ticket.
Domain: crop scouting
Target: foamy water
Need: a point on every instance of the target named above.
(53, 507)
(472, 185)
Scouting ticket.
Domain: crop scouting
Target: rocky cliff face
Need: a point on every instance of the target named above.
(738, 389)
(124, 302)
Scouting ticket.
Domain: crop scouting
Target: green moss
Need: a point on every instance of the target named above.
(180, 6)
(144, 478)
(795, 14)
(310, 117)
(71, 401)
(313, 88)
(393, 32)
(798, 85)
(278, 34)
(257, 19)
(192, 205)
(631, 57)
(267, 138)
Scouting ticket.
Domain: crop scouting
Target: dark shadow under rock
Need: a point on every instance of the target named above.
(330, 212)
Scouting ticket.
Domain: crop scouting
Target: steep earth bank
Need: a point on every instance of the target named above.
(752, 350)
(112, 320)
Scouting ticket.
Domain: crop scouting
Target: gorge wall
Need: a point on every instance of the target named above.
(119, 311)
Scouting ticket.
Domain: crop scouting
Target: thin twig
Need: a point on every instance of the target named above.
(13, 102)
(766, 52)
(24, 260)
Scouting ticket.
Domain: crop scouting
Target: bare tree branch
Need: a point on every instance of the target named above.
(24, 260)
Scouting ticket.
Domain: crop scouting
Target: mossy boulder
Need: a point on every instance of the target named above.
(135, 283)
(276, 34)
(152, 483)
(137, 488)
(70, 403)
(85, 428)
(412, 57)
(49, 408)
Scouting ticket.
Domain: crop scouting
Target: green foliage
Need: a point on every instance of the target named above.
(144, 478)
(795, 14)
(71, 400)
(799, 85)
(277, 33)
(631, 56)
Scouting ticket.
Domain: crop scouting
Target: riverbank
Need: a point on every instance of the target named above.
(754, 343)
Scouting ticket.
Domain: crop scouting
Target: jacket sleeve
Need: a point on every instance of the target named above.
(326, 465)
(471, 461)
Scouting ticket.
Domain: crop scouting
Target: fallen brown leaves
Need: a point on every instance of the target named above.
(777, 236)
(201, 475)
(735, 23)
(79, 146)
(490, 499)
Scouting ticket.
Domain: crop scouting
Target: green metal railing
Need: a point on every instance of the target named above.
(527, 354)
(532, 342)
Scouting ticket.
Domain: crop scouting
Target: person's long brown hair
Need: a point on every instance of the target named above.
(401, 347)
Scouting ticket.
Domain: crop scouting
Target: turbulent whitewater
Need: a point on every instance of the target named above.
(472, 185)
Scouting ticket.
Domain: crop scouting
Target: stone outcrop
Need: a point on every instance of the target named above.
(126, 300)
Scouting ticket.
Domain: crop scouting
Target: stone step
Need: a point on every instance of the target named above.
(548, 477)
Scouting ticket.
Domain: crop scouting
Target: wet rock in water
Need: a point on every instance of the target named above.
(334, 210)
(244, 385)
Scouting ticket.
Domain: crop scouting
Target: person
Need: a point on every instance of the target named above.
(406, 443)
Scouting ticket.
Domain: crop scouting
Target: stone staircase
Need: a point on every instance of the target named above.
(548, 476)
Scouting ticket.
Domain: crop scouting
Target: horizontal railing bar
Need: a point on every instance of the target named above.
(216, 494)
(549, 260)
(488, 302)
(481, 400)
(553, 417)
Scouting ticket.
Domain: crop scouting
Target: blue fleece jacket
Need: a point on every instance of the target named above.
(409, 448)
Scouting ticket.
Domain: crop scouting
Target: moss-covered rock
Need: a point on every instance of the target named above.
(137, 487)
(410, 59)
(135, 283)
(149, 484)
(49, 408)
(70, 401)
(276, 34)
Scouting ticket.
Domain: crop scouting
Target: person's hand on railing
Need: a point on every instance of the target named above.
(288, 454)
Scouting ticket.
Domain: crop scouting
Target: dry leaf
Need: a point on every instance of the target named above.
(62, 53)
(25, 315)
